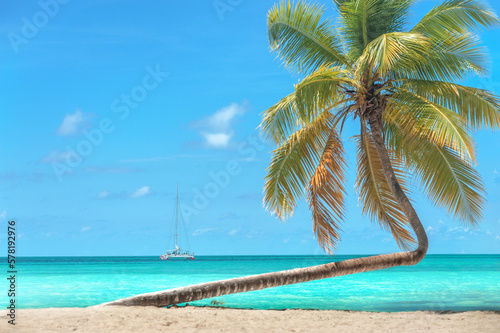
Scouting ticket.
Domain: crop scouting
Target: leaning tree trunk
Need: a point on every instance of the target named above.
(268, 280)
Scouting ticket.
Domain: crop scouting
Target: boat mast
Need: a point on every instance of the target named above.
(176, 213)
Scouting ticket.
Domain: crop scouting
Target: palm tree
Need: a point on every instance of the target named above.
(413, 120)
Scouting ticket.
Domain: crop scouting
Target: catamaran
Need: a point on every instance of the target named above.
(177, 252)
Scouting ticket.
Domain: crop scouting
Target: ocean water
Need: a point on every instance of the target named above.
(439, 282)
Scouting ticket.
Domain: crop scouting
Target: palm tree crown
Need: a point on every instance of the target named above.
(414, 120)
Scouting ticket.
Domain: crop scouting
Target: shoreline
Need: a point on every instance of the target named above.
(224, 319)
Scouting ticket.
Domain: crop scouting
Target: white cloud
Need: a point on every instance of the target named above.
(73, 124)
(455, 230)
(3, 215)
(102, 195)
(217, 140)
(140, 192)
(56, 156)
(234, 232)
(198, 232)
(216, 129)
(221, 120)
(149, 159)
(86, 229)
(433, 230)
(252, 234)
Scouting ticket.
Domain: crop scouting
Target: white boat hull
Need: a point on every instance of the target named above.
(177, 254)
(171, 256)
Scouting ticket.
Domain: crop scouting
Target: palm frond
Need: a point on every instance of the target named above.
(374, 193)
(449, 180)
(452, 57)
(293, 165)
(302, 40)
(326, 193)
(456, 16)
(432, 120)
(480, 108)
(281, 120)
(394, 49)
(320, 90)
(362, 21)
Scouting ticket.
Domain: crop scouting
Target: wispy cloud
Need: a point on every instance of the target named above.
(455, 230)
(148, 159)
(162, 158)
(229, 215)
(140, 192)
(252, 234)
(103, 195)
(249, 196)
(74, 123)
(199, 232)
(56, 156)
(110, 170)
(234, 232)
(431, 230)
(3, 215)
(84, 229)
(35, 176)
(216, 129)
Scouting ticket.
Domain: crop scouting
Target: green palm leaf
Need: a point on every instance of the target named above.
(374, 193)
(322, 89)
(302, 41)
(362, 21)
(432, 120)
(281, 120)
(456, 16)
(447, 179)
(452, 57)
(480, 108)
(394, 49)
(293, 165)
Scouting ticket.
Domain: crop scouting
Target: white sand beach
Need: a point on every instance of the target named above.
(192, 319)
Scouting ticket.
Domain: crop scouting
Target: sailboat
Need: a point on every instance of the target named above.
(177, 252)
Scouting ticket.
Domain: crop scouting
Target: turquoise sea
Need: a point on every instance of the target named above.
(439, 282)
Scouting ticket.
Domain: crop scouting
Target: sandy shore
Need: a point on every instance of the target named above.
(191, 319)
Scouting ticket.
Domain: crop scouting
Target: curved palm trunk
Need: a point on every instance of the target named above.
(375, 121)
(268, 280)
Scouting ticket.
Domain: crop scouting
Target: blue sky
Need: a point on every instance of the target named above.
(154, 93)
